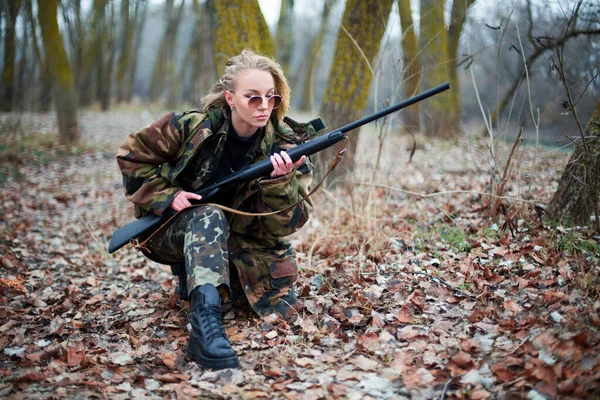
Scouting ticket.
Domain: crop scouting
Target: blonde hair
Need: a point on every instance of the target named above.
(247, 59)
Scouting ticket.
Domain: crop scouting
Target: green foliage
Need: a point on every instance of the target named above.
(490, 233)
(574, 243)
(453, 237)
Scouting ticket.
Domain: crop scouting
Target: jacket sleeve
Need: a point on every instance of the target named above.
(140, 159)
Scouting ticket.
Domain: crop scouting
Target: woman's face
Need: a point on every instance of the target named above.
(247, 119)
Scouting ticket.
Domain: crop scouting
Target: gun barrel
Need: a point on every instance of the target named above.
(398, 106)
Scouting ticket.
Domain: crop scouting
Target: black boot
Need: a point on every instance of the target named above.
(179, 271)
(208, 344)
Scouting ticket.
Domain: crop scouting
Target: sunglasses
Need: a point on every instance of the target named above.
(273, 100)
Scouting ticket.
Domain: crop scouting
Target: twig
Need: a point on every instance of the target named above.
(352, 387)
(520, 344)
(443, 282)
(504, 179)
(428, 195)
(445, 389)
(435, 279)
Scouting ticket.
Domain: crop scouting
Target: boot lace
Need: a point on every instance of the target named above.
(210, 317)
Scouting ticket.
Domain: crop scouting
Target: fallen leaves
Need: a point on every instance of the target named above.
(385, 313)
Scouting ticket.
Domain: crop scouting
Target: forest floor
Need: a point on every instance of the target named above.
(409, 288)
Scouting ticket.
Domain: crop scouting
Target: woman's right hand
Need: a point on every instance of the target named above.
(182, 200)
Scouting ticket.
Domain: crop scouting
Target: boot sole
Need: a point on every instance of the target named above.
(213, 363)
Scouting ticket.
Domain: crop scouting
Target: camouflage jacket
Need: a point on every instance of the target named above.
(153, 158)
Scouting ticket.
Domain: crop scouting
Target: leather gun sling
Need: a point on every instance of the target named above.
(142, 246)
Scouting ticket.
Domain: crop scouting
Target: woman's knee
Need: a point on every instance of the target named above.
(206, 214)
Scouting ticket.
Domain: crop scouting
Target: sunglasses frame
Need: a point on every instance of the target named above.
(262, 98)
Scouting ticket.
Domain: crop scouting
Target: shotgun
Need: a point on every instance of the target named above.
(134, 229)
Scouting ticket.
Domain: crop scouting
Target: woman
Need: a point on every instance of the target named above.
(226, 255)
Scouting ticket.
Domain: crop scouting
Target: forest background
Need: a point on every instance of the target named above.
(454, 251)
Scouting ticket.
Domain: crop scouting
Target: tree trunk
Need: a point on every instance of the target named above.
(38, 73)
(313, 58)
(163, 75)
(438, 118)
(10, 9)
(24, 69)
(411, 68)
(284, 38)
(236, 25)
(105, 75)
(350, 77)
(77, 42)
(198, 57)
(62, 78)
(576, 198)
(458, 16)
(126, 49)
(92, 62)
(140, 10)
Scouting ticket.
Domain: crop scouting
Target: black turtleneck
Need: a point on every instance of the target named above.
(232, 159)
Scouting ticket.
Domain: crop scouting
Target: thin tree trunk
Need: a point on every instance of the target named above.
(139, 18)
(125, 46)
(23, 71)
(43, 92)
(10, 9)
(458, 16)
(38, 87)
(350, 77)
(411, 68)
(198, 60)
(438, 118)
(108, 61)
(77, 40)
(163, 75)
(63, 88)
(284, 38)
(313, 58)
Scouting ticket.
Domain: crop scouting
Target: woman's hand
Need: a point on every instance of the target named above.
(283, 165)
(182, 200)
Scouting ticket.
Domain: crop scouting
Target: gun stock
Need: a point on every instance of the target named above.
(134, 229)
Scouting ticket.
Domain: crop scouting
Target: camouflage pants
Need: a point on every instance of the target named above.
(198, 238)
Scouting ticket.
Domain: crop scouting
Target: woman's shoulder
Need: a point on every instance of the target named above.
(298, 132)
(194, 116)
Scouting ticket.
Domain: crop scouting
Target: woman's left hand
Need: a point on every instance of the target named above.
(283, 164)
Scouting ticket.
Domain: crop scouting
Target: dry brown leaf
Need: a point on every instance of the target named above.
(404, 315)
(169, 359)
(364, 363)
(369, 341)
(75, 354)
(255, 394)
(304, 362)
(463, 360)
(57, 326)
(172, 377)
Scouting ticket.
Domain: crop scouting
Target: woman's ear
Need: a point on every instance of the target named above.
(229, 99)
